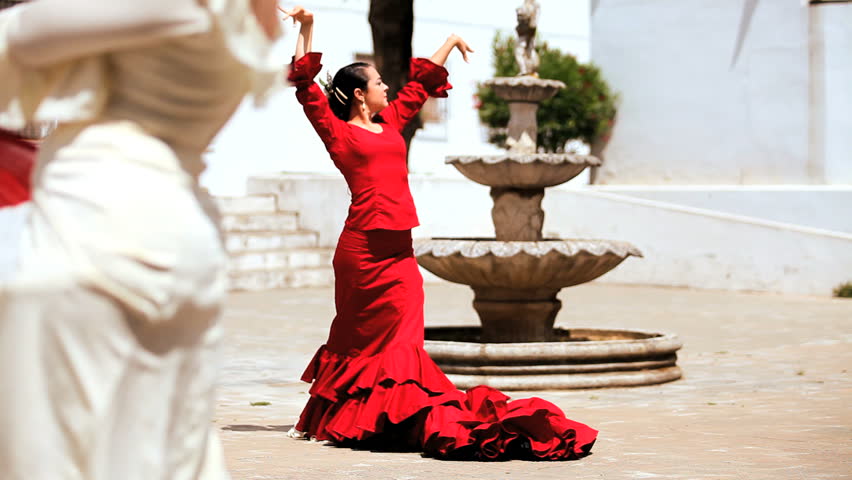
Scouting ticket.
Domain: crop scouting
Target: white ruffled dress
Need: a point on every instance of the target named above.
(109, 327)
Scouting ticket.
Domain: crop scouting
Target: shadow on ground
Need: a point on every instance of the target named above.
(257, 428)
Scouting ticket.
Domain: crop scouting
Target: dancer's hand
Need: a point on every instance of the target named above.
(299, 14)
(461, 45)
(306, 33)
(453, 42)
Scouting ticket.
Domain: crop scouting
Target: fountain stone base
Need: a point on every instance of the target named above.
(578, 358)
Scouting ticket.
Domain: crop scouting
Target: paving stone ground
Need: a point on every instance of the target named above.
(766, 393)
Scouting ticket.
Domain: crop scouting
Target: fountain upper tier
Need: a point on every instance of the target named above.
(526, 88)
(523, 95)
(523, 171)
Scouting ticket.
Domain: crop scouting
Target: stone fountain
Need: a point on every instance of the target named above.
(517, 275)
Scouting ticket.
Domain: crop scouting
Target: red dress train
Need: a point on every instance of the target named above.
(374, 386)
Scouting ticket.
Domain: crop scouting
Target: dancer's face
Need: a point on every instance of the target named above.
(376, 95)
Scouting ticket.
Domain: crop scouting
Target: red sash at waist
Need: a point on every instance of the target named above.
(17, 157)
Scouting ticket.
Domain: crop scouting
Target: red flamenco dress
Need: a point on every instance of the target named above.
(17, 157)
(374, 386)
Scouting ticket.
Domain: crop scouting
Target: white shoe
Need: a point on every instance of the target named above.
(293, 433)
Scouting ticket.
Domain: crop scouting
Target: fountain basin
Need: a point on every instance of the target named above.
(517, 265)
(578, 358)
(522, 171)
(515, 283)
(524, 88)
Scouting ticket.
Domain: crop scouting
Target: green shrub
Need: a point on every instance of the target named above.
(844, 290)
(583, 110)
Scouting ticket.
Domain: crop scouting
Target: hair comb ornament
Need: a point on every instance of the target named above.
(339, 94)
(327, 83)
(330, 89)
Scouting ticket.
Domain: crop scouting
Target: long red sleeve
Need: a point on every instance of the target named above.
(314, 102)
(427, 79)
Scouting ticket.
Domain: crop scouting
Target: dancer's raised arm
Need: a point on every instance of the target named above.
(306, 32)
(306, 65)
(453, 41)
(427, 78)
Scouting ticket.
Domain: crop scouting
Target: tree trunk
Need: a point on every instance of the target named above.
(392, 24)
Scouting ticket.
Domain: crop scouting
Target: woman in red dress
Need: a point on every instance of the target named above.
(374, 386)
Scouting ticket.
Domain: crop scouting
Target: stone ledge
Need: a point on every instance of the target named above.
(262, 241)
(247, 204)
(261, 222)
(281, 258)
(266, 279)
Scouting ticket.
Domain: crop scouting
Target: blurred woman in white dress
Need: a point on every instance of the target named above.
(18, 148)
(109, 327)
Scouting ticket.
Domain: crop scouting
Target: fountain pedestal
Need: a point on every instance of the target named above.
(517, 214)
(515, 317)
(523, 94)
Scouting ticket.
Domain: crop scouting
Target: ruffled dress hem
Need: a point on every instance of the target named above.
(400, 400)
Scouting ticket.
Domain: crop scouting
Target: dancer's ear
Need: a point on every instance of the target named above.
(360, 95)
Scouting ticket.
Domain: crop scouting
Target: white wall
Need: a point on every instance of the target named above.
(687, 247)
(278, 138)
(815, 206)
(713, 91)
(684, 244)
(831, 91)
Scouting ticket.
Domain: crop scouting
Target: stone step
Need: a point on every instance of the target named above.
(247, 204)
(278, 259)
(281, 278)
(239, 242)
(261, 222)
